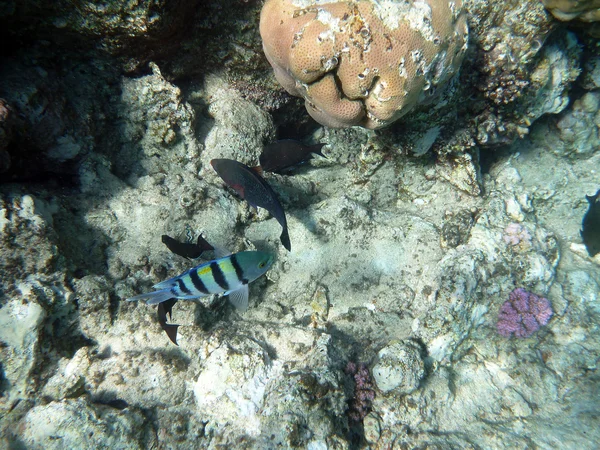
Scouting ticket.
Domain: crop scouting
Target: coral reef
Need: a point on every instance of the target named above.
(364, 392)
(576, 131)
(456, 228)
(523, 314)
(520, 67)
(406, 240)
(584, 10)
(184, 37)
(517, 235)
(363, 62)
(520, 78)
(367, 274)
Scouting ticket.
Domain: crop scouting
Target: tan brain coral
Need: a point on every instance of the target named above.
(363, 62)
(584, 10)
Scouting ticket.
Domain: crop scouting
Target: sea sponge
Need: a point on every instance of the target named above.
(363, 62)
(584, 10)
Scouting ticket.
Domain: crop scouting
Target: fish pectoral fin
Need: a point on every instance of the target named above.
(239, 298)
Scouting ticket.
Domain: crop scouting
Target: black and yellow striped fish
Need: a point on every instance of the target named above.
(229, 275)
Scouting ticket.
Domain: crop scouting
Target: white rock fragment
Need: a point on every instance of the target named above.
(70, 376)
(557, 68)
(231, 386)
(440, 347)
(240, 129)
(581, 251)
(513, 209)
(317, 445)
(399, 368)
(3, 218)
(372, 427)
(20, 321)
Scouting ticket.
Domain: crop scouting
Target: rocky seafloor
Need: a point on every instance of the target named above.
(379, 328)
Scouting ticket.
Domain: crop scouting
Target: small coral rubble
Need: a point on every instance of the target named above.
(364, 392)
(363, 62)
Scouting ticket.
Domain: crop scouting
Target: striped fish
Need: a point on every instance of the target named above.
(229, 275)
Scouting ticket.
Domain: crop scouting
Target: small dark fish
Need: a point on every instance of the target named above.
(165, 308)
(187, 250)
(254, 189)
(590, 232)
(286, 153)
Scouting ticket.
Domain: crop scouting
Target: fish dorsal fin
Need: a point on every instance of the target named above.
(172, 281)
(239, 298)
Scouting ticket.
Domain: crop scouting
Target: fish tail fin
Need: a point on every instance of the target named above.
(153, 297)
(171, 331)
(285, 239)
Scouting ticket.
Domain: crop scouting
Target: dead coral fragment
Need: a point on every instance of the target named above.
(363, 62)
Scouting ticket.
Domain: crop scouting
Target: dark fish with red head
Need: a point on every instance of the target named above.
(286, 153)
(254, 189)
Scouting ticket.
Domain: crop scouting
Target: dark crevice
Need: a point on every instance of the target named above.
(490, 156)
(113, 306)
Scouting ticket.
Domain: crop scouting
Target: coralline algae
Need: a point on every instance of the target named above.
(523, 314)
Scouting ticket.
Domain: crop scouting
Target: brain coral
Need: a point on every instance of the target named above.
(585, 10)
(363, 62)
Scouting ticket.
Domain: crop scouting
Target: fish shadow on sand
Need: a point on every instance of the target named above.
(296, 202)
(209, 317)
(220, 310)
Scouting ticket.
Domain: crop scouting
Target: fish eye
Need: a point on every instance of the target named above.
(262, 264)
